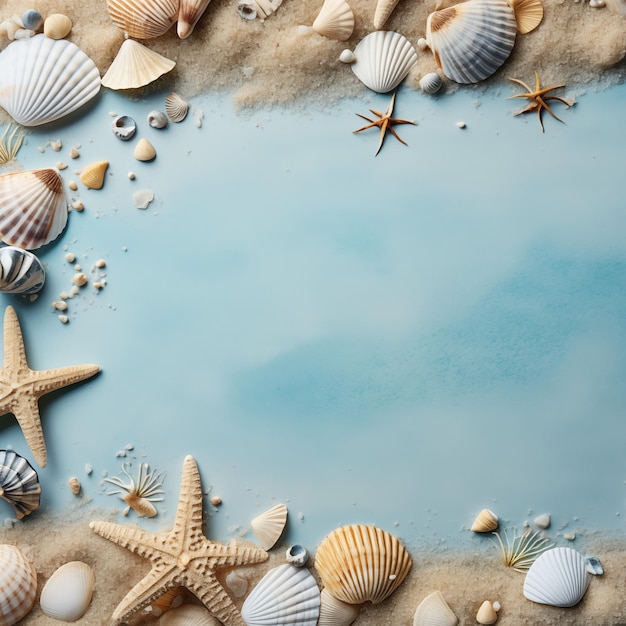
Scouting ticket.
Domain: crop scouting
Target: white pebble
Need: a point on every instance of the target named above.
(80, 279)
(64, 319)
(461, 124)
(88, 469)
(72, 185)
(69, 257)
(60, 305)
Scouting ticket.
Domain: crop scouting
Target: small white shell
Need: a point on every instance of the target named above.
(269, 525)
(297, 555)
(57, 26)
(486, 521)
(18, 585)
(124, 127)
(486, 613)
(431, 83)
(594, 566)
(334, 612)
(67, 593)
(335, 20)
(19, 483)
(347, 56)
(157, 119)
(189, 12)
(188, 615)
(176, 107)
(20, 272)
(433, 610)
(143, 19)
(251, 9)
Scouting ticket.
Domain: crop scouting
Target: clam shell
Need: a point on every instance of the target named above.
(433, 610)
(67, 593)
(269, 525)
(486, 521)
(383, 59)
(335, 20)
(42, 79)
(18, 585)
(57, 26)
(334, 612)
(176, 107)
(188, 615)
(135, 66)
(252, 9)
(144, 150)
(143, 19)
(558, 577)
(528, 14)
(33, 208)
(19, 483)
(189, 12)
(92, 175)
(384, 9)
(486, 613)
(361, 563)
(285, 595)
(20, 271)
(431, 83)
(471, 40)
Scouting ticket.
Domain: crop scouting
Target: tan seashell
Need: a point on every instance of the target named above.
(269, 526)
(57, 26)
(92, 175)
(486, 613)
(143, 19)
(361, 563)
(144, 151)
(335, 20)
(74, 485)
(485, 522)
(176, 107)
(18, 585)
(189, 615)
(334, 612)
(384, 8)
(528, 14)
(189, 12)
(66, 596)
(433, 610)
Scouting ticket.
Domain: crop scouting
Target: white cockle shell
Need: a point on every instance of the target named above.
(67, 593)
(189, 12)
(433, 610)
(20, 272)
(558, 577)
(43, 79)
(335, 20)
(286, 595)
(253, 9)
(269, 525)
(430, 83)
(334, 612)
(19, 483)
(143, 19)
(18, 585)
(383, 60)
(471, 40)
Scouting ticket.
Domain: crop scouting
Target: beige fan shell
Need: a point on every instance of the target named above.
(92, 175)
(528, 14)
(433, 610)
(189, 12)
(384, 8)
(143, 19)
(361, 563)
(485, 522)
(334, 612)
(335, 20)
(269, 526)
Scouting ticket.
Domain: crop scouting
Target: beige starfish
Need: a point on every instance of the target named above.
(181, 557)
(21, 387)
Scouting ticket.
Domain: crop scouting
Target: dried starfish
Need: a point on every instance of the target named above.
(21, 387)
(182, 556)
(538, 99)
(385, 123)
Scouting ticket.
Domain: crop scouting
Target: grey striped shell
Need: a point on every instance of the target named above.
(18, 585)
(19, 484)
(20, 271)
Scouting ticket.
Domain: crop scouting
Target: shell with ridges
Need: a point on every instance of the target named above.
(251, 9)
(18, 585)
(143, 19)
(189, 12)
(335, 20)
(20, 271)
(430, 83)
(188, 615)
(528, 14)
(433, 610)
(384, 8)
(486, 521)
(92, 175)
(176, 107)
(67, 593)
(334, 612)
(269, 525)
(57, 26)
(19, 483)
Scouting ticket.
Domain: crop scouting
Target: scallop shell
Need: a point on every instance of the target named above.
(269, 525)
(19, 483)
(189, 12)
(92, 175)
(431, 83)
(335, 20)
(18, 585)
(20, 271)
(486, 613)
(334, 612)
(384, 8)
(433, 610)
(251, 9)
(471, 40)
(188, 615)
(67, 593)
(285, 595)
(42, 79)
(486, 521)
(176, 107)
(33, 208)
(558, 578)
(361, 563)
(383, 59)
(143, 19)
(57, 26)
(135, 66)
(528, 14)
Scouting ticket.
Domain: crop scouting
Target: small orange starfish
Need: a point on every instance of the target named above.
(385, 124)
(538, 99)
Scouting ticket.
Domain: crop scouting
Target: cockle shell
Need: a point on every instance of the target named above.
(176, 107)
(433, 610)
(383, 59)
(57, 26)
(189, 12)
(486, 521)
(20, 271)
(188, 615)
(19, 483)
(486, 613)
(335, 20)
(334, 612)
(558, 577)
(33, 208)
(269, 525)
(471, 40)
(144, 150)
(430, 83)
(18, 585)
(361, 563)
(286, 595)
(384, 8)
(143, 19)
(528, 14)
(251, 9)
(92, 175)
(67, 593)
(43, 79)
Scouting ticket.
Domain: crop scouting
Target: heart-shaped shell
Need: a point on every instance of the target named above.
(486, 521)
(335, 20)
(143, 19)
(361, 563)
(188, 615)
(189, 12)
(18, 585)
(20, 272)
(42, 79)
(176, 107)
(67, 593)
(57, 26)
(433, 610)
(19, 483)
(334, 612)
(269, 525)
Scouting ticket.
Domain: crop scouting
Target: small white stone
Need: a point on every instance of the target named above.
(131, 175)
(72, 185)
(88, 469)
(569, 536)
(347, 56)
(77, 205)
(69, 257)
(543, 521)
(64, 319)
(461, 124)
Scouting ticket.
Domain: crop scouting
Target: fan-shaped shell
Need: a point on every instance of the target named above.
(43, 79)
(528, 14)
(471, 40)
(384, 8)
(285, 595)
(143, 19)
(33, 208)
(19, 483)
(189, 12)
(335, 20)
(67, 593)
(176, 107)
(269, 525)
(251, 9)
(486, 521)
(431, 83)
(188, 615)
(20, 271)
(18, 585)
(92, 175)
(334, 612)
(361, 563)
(558, 577)
(433, 610)
(383, 59)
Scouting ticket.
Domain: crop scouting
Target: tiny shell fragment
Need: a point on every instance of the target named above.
(74, 485)
(80, 279)
(142, 198)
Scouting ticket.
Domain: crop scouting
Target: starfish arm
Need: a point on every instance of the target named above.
(47, 381)
(132, 538)
(14, 353)
(395, 134)
(523, 84)
(549, 110)
(366, 127)
(187, 530)
(395, 120)
(26, 411)
(206, 587)
(567, 103)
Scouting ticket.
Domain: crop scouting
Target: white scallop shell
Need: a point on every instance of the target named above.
(189, 12)
(384, 8)
(383, 59)
(334, 612)
(433, 610)
(431, 83)
(188, 615)
(176, 107)
(471, 40)
(252, 9)
(285, 595)
(269, 525)
(19, 483)
(43, 79)
(33, 208)
(20, 272)
(558, 577)
(67, 593)
(335, 20)
(143, 19)
(18, 585)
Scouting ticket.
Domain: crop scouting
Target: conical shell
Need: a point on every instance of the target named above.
(176, 107)
(143, 19)
(57, 26)
(19, 483)
(67, 593)
(383, 59)
(20, 271)
(18, 585)
(252, 9)
(471, 40)
(42, 79)
(92, 175)
(433, 610)
(286, 595)
(188, 615)
(33, 208)
(334, 612)
(384, 8)
(558, 577)
(486, 613)
(361, 563)
(189, 12)
(528, 14)
(335, 20)
(269, 526)
(486, 521)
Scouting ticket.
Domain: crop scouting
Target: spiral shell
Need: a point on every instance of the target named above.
(19, 483)
(67, 593)
(18, 585)
(20, 271)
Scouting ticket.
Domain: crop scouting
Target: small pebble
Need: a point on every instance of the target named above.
(80, 279)
(99, 284)
(216, 500)
(64, 319)
(69, 257)
(129, 447)
(74, 154)
(72, 185)
(569, 536)
(60, 305)
(61, 166)
(100, 263)
(64, 295)
(543, 521)
(55, 145)
(88, 469)
(460, 124)
(77, 267)
(77, 205)
(131, 175)
(120, 454)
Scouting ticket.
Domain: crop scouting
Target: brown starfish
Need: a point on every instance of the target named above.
(181, 557)
(385, 123)
(21, 387)
(538, 99)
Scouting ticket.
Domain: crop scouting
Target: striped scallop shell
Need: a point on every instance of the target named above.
(335, 20)
(33, 208)
(19, 483)
(286, 595)
(20, 271)
(189, 12)
(269, 525)
(433, 610)
(383, 60)
(143, 19)
(471, 40)
(361, 563)
(66, 596)
(334, 612)
(18, 585)
(176, 107)
(43, 79)
(528, 14)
